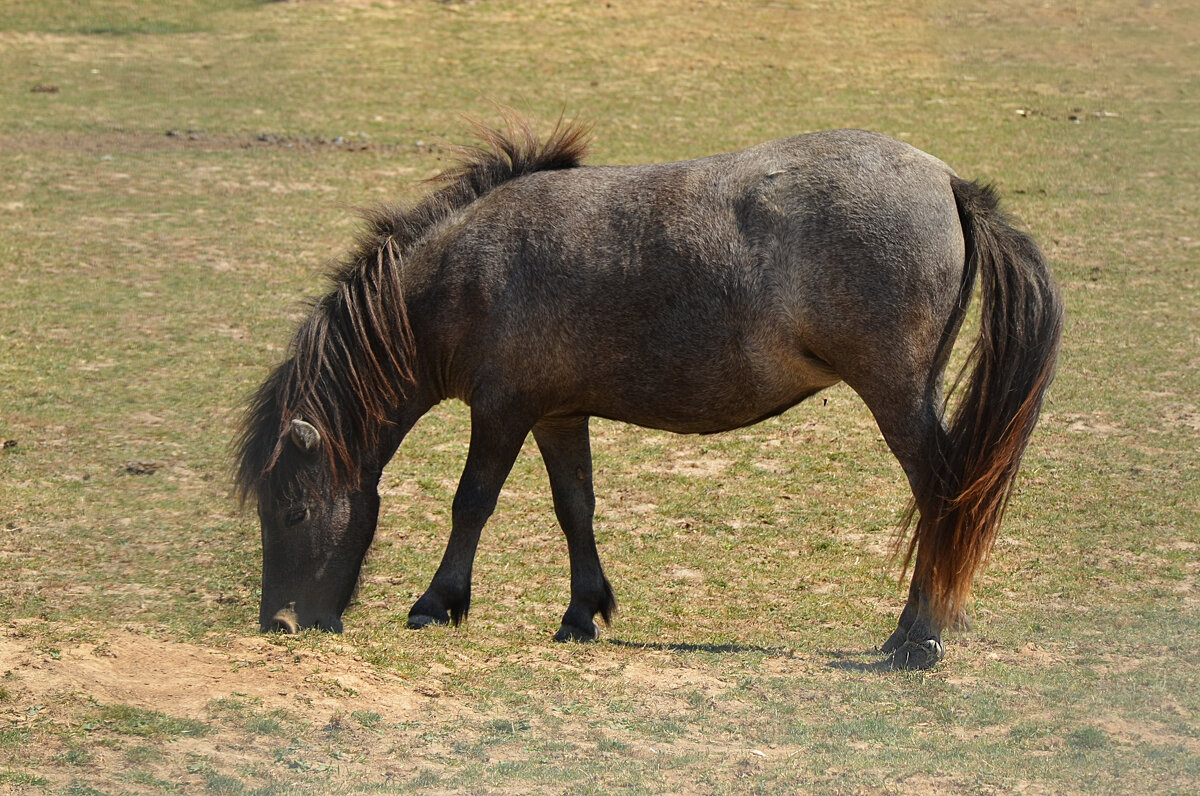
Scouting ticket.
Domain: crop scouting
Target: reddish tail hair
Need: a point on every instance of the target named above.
(959, 511)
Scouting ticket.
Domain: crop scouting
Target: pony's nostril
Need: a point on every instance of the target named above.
(283, 626)
(284, 621)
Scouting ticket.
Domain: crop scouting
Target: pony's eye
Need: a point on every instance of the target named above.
(295, 515)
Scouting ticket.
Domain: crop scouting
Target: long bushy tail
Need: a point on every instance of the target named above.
(1006, 378)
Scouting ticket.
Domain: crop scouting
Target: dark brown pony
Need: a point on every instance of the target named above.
(695, 297)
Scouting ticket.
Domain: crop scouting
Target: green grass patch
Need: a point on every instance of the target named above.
(368, 719)
(139, 722)
(21, 778)
(248, 714)
(12, 738)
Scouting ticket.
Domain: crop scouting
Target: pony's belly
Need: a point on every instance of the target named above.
(710, 407)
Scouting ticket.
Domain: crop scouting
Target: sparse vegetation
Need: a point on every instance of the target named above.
(173, 178)
(129, 720)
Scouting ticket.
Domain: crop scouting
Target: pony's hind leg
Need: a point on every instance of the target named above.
(566, 450)
(496, 439)
(914, 432)
(916, 643)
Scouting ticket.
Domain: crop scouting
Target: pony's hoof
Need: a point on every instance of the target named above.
(914, 655)
(418, 621)
(895, 641)
(573, 633)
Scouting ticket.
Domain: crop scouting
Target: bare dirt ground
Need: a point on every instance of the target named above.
(181, 679)
(134, 712)
(69, 686)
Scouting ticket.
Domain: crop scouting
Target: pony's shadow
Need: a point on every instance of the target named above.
(844, 660)
(852, 661)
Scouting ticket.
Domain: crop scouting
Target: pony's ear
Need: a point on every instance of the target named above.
(305, 436)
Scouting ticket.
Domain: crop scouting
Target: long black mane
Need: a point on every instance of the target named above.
(350, 363)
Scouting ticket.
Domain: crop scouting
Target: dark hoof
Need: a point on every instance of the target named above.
(573, 633)
(914, 655)
(418, 621)
(895, 641)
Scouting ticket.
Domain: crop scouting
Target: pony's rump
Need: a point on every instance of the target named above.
(1006, 377)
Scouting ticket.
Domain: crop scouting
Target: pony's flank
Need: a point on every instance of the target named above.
(352, 361)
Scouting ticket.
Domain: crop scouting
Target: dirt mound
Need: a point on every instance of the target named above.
(135, 710)
(181, 679)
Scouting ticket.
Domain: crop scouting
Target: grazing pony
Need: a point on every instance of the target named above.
(696, 297)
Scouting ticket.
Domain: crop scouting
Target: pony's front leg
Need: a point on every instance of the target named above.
(566, 450)
(495, 442)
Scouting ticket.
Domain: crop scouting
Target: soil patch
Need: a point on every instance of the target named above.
(180, 679)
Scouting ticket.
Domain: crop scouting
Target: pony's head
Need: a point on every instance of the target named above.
(315, 439)
(316, 529)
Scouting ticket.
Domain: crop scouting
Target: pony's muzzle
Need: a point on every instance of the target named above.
(284, 621)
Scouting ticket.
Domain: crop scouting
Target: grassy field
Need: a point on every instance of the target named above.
(173, 182)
